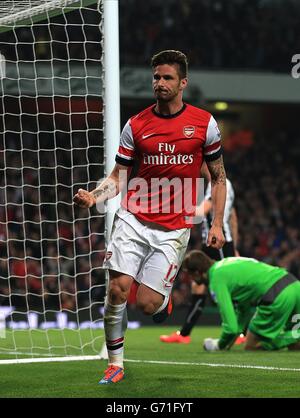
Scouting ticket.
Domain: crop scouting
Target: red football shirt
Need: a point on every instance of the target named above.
(169, 152)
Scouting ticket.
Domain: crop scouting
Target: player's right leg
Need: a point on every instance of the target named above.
(115, 324)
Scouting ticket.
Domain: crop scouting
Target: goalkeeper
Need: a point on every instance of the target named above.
(237, 284)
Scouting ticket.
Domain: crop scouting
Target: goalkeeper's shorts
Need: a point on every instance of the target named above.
(151, 256)
(274, 323)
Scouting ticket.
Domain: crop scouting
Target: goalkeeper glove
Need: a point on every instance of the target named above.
(211, 344)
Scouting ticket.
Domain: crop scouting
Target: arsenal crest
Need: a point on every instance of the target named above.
(188, 131)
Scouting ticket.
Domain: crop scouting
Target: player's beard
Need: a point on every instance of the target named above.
(165, 97)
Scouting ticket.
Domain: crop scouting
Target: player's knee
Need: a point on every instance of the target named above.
(116, 295)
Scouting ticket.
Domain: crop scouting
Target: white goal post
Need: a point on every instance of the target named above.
(59, 131)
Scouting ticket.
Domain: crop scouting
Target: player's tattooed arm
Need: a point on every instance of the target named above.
(108, 189)
(218, 197)
(217, 171)
(105, 191)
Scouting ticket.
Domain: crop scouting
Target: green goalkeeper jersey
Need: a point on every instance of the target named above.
(236, 284)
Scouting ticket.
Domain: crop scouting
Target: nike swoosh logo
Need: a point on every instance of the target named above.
(148, 136)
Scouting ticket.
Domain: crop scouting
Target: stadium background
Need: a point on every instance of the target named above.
(240, 57)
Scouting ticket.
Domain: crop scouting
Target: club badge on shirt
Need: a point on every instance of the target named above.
(189, 131)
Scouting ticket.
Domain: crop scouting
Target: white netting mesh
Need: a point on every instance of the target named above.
(51, 143)
(14, 12)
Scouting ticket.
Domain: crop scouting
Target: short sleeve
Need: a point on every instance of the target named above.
(212, 146)
(125, 154)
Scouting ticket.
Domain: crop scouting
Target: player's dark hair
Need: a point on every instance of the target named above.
(197, 260)
(171, 57)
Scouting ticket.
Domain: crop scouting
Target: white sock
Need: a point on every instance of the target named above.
(115, 325)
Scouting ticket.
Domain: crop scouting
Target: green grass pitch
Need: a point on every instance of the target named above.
(153, 369)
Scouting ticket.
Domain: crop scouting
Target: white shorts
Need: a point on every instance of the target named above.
(151, 256)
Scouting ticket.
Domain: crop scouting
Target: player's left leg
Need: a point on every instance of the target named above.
(154, 292)
(159, 271)
(198, 297)
(199, 293)
(148, 300)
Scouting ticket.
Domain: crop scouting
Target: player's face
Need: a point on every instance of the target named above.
(167, 84)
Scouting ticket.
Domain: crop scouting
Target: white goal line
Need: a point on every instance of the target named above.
(233, 366)
(49, 359)
(174, 363)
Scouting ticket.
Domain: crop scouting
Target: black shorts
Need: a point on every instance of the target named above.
(226, 251)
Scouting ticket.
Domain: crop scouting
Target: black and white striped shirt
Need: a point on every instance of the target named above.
(227, 212)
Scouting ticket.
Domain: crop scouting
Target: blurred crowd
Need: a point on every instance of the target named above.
(257, 34)
(50, 251)
(267, 180)
(219, 34)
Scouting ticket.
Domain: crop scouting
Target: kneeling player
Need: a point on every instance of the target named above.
(237, 284)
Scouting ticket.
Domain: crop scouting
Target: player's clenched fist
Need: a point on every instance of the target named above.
(84, 199)
(215, 237)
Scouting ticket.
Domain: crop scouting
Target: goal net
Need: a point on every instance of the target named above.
(51, 143)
